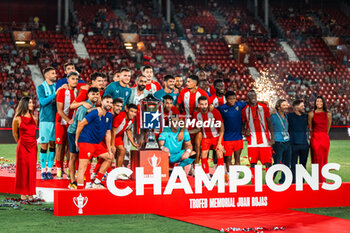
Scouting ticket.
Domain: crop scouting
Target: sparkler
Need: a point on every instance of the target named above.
(267, 89)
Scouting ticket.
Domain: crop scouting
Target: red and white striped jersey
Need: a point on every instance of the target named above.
(153, 87)
(256, 121)
(121, 123)
(190, 100)
(210, 126)
(66, 97)
(217, 101)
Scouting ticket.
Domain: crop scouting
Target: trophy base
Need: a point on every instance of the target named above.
(152, 146)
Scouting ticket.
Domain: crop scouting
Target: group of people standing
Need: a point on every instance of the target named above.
(292, 132)
(96, 120)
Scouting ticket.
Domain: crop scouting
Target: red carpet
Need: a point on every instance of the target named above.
(7, 180)
(293, 221)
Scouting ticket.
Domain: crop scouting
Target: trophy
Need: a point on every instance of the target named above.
(154, 161)
(80, 202)
(151, 111)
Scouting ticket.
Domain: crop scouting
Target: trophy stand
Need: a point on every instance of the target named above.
(150, 155)
(151, 142)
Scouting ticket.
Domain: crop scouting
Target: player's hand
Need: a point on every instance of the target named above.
(186, 155)
(137, 146)
(211, 107)
(110, 155)
(142, 143)
(165, 149)
(76, 145)
(70, 121)
(114, 149)
(64, 86)
(246, 132)
(272, 141)
(87, 105)
(220, 148)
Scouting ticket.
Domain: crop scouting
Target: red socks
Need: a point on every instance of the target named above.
(221, 162)
(205, 165)
(99, 176)
(253, 179)
(80, 186)
(58, 164)
(98, 165)
(110, 169)
(87, 173)
(76, 164)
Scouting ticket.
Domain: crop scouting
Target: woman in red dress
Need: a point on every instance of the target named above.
(23, 130)
(320, 121)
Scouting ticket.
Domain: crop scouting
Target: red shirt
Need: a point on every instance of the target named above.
(121, 123)
(210, 126)
(217, 101)
(79, 85)
(190, 100)
(66, 97)
(211, 90)
(83, 95)
(173, 111)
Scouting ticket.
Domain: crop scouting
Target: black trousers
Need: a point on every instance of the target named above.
(300, 152)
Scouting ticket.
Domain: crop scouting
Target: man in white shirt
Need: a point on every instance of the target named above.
(139, 92)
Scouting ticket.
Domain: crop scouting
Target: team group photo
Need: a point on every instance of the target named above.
(156, 114)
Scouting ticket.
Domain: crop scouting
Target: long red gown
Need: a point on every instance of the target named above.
(319, 141)
(26, 157)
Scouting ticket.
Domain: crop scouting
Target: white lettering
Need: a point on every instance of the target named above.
(218, 177)
(184, 184)
(112, 176)
(243, 202)
(302, 174)
(330, 176)
(141, 180)
(198, 203)
(222, 202)
(234, 180)
(217, 124)
(190, 123)
(258, 178)
(181, 124)
(259, 201)
(287, 182)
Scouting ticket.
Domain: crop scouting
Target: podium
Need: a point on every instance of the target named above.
(148, 159)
